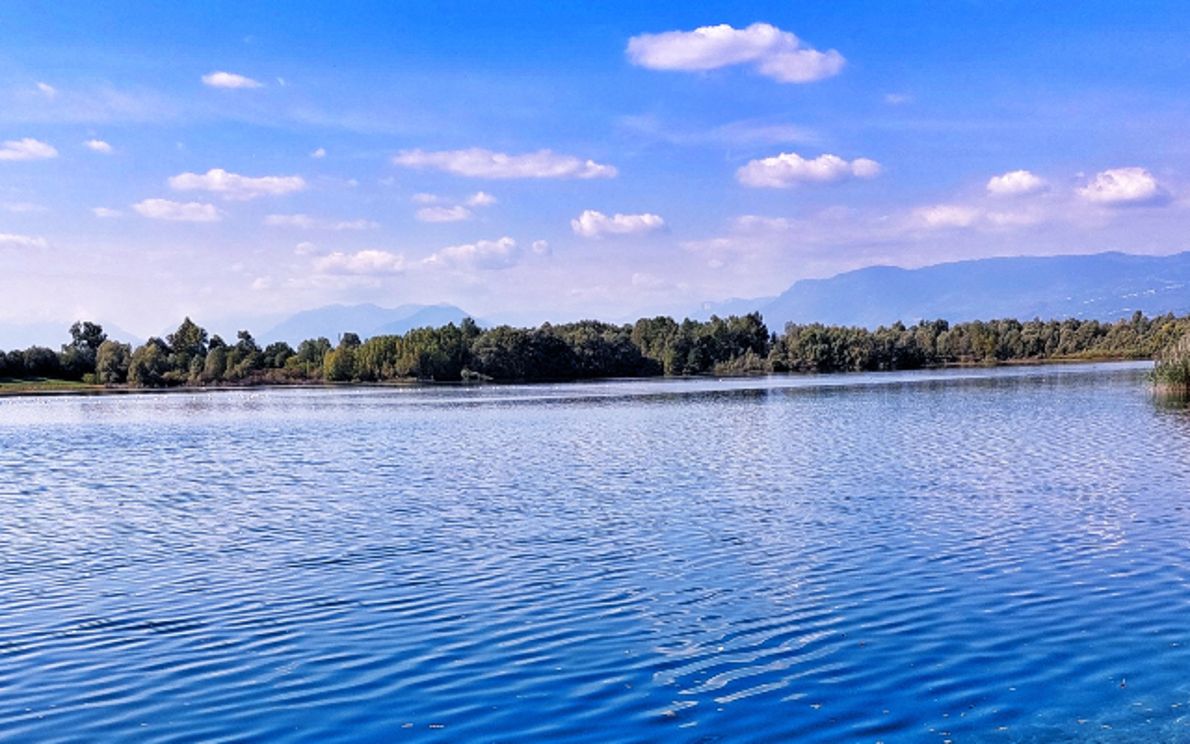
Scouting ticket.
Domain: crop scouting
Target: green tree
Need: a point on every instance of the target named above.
(78, 356)
(111, 363)
(148, 364)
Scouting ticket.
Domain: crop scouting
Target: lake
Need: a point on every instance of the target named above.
(972, 555)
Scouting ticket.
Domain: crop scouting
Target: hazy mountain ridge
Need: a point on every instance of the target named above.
(365, 319)
(53, 335)
(1101, 286)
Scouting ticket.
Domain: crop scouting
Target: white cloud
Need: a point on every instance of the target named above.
(457, 213)
(222, 79)
(789, 168)
(1123, 187)
(754, 222)
(775, 53)
(306, 222)
(646, 281)
(481, 199)
(482, 254)
(477, 162)
(164, 209)
(27, 149)
(22, 241)
(947, 215)
(97, 145)
(262, 283)
(361, 262)
(540, 248)
(1015, 183)
(897, 99)
(237, 187)
(593, 224)
(305, 248)
(425, 199)
(48, 90)
(106, 213)
(319, 154)
(23, 207)
(952, 216)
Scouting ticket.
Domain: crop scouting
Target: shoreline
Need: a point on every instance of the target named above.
(16, 388)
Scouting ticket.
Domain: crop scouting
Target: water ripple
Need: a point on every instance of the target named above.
(967, 556)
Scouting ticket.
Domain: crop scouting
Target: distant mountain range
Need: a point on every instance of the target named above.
(366, 320)
(52, 335)
(1102, 286)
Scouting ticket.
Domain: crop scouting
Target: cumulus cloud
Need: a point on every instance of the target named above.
(1015, 183)
(48, 90)
(237, 187)
(947, 215)
(305, 248)
(1119, 187)
(540, 248)
(957, 216)
(367, 262)
(319, 153)
(21, 241)
(482, 254)
(220, 79)
(164, 209)
(774, 53)
(457, 213)
(425, 198)
(98, 145)
(593, 224)
(897, 99)
(477, 162)
(106, 213)
(306, 222)
(789, 168)
(27, 149)
(481, 199)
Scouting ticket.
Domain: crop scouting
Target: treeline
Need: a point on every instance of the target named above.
(819, 348)
(588, 349)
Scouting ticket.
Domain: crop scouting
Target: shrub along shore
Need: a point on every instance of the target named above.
(190, 357)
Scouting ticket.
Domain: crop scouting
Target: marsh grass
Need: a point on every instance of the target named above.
(1171, 374)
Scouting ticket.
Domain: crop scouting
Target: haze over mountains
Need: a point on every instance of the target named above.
(1103, 286)
(366, 320)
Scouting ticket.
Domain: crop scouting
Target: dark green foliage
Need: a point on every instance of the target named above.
(422, 353)
(507, 353)
(78, 356)
(694, 348)
(149, 365)
(277, 354)
(111, 363)
(188, 347)
(41, 362)
(591, 349)
(818, 348)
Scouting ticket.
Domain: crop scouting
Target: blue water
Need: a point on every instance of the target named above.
(996, 555)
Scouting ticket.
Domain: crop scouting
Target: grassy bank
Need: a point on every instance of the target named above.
(45, 386)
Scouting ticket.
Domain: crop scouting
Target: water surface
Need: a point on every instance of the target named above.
(989, 555)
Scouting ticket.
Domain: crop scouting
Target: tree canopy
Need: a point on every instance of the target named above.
(585, 349)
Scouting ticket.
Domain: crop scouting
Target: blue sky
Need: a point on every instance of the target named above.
(556, 160)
